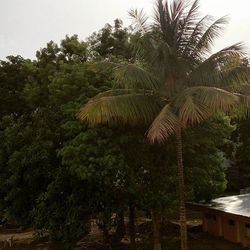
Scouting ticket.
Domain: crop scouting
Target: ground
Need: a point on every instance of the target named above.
(197, 241)
(170, 241)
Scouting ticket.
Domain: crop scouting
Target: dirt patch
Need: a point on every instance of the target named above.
(21, 240)
(22, 236)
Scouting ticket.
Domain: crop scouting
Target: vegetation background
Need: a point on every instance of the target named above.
(57, 174)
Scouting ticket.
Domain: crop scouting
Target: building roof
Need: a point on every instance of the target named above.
(238, 204)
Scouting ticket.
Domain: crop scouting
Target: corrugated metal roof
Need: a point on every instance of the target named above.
(237, 204)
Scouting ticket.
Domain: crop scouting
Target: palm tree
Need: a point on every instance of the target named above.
(175, 81)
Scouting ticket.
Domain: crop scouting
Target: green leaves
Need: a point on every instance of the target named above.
(93, 155)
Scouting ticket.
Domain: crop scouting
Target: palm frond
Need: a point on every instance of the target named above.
(129, 76)
(134, 76)
(223, 69)
(103, 66)
(188, 23)
(139, 21)
(216, 99)
(177, 9)
(212, 98)
(177, 12)
(226, 55)
(243, 99)
(167, 19)
(193, 112)
(163, 126)
(206, 41)
(121, 106)
(234, 79)
(158, 56)
(162, 17)
(245, 90)
(196, 33)
(196, 104)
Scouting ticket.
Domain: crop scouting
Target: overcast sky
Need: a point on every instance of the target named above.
(27, 25)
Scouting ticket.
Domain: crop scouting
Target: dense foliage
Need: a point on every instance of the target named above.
(56, 173)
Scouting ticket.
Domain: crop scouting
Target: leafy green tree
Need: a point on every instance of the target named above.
(150, 184)
(74, 50)
(240, 166)
(14, 74)
(56, 173)
(32, 127)
(112, 42)
(28, 159)
(124, 182)
(64, 209)
(72, 83)
(175, 82)
(204, 154)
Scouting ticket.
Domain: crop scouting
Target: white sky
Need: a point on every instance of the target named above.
(27, 25)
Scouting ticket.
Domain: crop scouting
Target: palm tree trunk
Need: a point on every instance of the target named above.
(183, 219)
(156, 222)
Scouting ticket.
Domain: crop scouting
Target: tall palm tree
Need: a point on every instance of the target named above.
(176, 80)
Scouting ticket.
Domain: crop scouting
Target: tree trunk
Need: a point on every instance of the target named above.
(120, 230)
(156, 222)
(106, 235)
(183, 219)
(132, 226)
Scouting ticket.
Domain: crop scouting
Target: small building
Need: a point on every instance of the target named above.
(228, 217)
